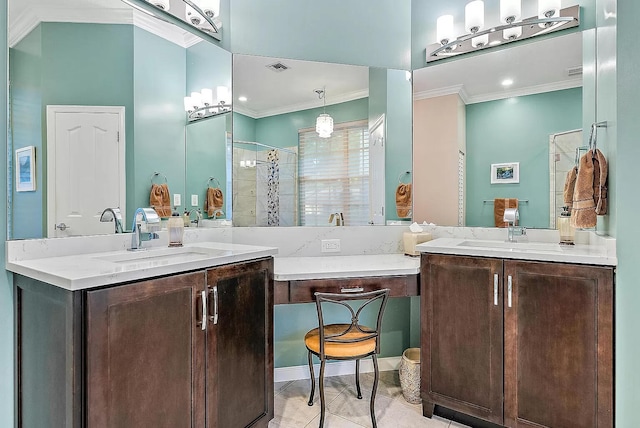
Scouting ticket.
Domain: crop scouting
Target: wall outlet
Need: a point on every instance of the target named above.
(177, 200)
(330, 246)
(194, 200)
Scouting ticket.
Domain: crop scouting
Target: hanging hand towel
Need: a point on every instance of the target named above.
(499, 205)
(214, 202)
(160, 200)
(403, 200)
(583, 211)
(600, 170)
(569, 187)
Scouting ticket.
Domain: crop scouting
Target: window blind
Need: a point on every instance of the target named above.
(334, 174)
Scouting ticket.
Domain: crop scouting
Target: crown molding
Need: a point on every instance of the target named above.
(343, 98)
(441, 92)
(529, 90)
(29, 19)
(245, 111)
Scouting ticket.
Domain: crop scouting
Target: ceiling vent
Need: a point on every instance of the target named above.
(278, 67)
(574, 71)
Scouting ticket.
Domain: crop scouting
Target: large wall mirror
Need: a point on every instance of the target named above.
(520, 109)
(286, 174)
(128, 83)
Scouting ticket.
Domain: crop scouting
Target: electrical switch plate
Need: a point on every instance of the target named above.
(177, 199)
(194, 200)
(330, 246)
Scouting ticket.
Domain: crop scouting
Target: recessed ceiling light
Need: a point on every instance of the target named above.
(243, 98)
(507, 82)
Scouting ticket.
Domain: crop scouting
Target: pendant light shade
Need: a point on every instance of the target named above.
(161, 4)
(474, 16)
(512, 33)
(210, 7)
(548, 8)
(324, 122)
(480, 41)
(510, 11)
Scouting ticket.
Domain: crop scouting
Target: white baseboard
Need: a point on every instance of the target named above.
(336, 368)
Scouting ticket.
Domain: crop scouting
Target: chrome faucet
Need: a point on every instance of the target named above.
(511, 217)
(149, 217)
(114, 215)
(198, 216)
(338, 217)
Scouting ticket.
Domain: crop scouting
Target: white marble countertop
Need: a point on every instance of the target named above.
(538, 251)
(354, 266)
(82, 271)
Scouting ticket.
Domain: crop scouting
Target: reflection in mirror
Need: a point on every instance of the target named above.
(144, 70)
(517, 105)
(285, 173)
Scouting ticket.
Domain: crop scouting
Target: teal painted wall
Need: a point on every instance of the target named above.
(7, 399)
(399, 148)
(159, 139)
(353, 32)
(627, 206)
(79, 64)
(27, 129)
(282, 130)
(208, 66)
(516, 130)
(244, 127)
(424, 14)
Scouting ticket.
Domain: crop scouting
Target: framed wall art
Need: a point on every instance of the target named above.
(505, 173)
(25, 167)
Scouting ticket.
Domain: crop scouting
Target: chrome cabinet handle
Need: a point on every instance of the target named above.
(214, 318)
(495, 289)
(509, 290)
(204, 310)
(352, 290)
(61, 227)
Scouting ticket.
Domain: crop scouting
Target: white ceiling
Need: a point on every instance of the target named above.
(535, 67)
(271, 92)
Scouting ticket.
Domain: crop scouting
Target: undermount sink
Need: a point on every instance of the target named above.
(176, 255)
(513, 246)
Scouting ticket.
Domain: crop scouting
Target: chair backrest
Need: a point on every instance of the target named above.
(362, 332)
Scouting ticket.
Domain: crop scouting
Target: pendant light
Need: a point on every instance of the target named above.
(324, 122)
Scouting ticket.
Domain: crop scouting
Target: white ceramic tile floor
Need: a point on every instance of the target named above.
(344, 410)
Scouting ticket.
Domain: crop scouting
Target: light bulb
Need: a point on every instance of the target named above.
(480, 41)
(444, 31)
(510, 11)
(196, 98)
(474, 16)
(512, 33)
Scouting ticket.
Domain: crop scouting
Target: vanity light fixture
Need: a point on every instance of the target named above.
(202, 14)
(511, 27)
(200, 105)
(324, 122)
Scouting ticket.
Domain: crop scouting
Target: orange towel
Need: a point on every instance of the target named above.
(160, 200)
(499, 205)
(569, 187)
(590, 196)
(214, 202)
(403, 200)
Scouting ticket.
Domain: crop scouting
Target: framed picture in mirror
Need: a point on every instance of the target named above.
(26, 169)
(505, 173)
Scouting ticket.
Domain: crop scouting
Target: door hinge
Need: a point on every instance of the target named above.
(118, 136)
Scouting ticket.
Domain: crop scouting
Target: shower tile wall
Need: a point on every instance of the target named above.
(252, 190)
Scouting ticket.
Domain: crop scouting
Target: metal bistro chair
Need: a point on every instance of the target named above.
(352, 341)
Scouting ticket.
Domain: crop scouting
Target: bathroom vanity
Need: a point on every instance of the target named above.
(513, 339)
(193, 347)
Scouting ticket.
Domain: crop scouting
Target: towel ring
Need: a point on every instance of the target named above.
(157, 174)
(403, 174)
(215, 180)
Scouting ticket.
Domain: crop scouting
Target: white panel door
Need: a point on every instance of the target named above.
(85, 168)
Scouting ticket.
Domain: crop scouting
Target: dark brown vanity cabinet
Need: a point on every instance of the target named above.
(517, 343)
(138, 354)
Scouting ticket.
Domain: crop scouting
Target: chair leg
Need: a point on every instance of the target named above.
(321, 382)
(375, 388)
(313, 379)
(358, 379)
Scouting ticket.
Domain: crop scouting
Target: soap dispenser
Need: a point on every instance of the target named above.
(176, 229)
(567, 232)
